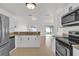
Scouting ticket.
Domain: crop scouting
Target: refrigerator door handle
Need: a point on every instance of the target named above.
(0, 29)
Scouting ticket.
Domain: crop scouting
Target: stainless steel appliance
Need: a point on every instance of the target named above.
(64, 46)
(68, 18)
(71, 18)
(63, 49)
(4, 35)
(74, 37)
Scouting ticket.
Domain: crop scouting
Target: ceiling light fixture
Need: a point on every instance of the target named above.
(30, 5)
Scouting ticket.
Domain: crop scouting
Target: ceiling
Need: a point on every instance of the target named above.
(42, 11)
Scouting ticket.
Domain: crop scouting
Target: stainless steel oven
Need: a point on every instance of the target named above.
(62, 49)
(74, 36)
(64, 45)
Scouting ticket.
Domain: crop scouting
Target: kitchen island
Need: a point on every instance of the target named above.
(27, 39)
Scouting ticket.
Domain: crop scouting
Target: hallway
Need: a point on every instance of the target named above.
(44, 50)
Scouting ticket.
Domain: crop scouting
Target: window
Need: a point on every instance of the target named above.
(34, 29)
(49, 30)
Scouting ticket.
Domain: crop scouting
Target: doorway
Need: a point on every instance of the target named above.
(49, 32)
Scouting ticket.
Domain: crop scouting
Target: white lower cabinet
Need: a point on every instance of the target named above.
(27, 41)
(53, 44)
(18, 41)
(75, 52)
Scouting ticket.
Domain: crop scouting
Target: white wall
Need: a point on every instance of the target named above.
(23, 24)
(11, 19)
(73, 28)
(40, 27)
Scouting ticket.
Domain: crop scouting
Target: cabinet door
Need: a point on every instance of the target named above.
(53, 44)
(37, 41)
(30, 41)
(12, 24)
(18, 41)
(25, 41)
(75, 52)
(12, 43)
(34, 41)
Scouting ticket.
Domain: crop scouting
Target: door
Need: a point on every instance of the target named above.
(49, 30)
(50, 40)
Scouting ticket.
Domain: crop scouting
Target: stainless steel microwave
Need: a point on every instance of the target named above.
(71, 18)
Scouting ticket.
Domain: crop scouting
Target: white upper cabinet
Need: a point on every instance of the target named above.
(75, 52)
(12, 24)
(74, 6)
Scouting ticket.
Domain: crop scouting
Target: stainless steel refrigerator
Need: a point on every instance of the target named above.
(4, 35)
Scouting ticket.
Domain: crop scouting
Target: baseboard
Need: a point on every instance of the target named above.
(28, 47)
(12, 50)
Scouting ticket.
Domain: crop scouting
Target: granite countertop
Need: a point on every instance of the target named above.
(66, 40)
(24, 33)
(12, 36)
(76, 46)
(63, 39)
(59, 36)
